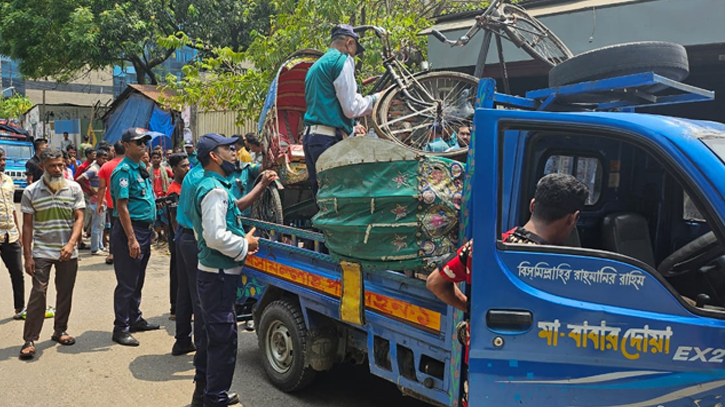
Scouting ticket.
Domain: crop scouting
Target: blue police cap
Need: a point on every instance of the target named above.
(209, 142)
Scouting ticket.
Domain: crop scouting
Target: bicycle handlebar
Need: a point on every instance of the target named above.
(442, 38)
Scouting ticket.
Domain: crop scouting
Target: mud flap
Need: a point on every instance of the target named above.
(352, 302)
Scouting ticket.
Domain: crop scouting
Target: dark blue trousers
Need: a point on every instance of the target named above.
(217, 351)
(130, 275)
(314, 145)
(187, 300)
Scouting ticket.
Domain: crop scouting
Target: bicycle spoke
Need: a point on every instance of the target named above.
(409, 116)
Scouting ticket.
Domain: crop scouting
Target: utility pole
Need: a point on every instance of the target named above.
(44, 114)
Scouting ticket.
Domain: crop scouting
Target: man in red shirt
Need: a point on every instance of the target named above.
(90, 157)
(161, 175)
(555, 208)
(104, 192)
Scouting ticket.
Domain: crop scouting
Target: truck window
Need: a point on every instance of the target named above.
(644, 215)
(17, 152)
(586, 169)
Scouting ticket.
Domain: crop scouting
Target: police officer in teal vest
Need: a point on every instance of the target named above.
(332, 99)
(223, 247)
(135, 207)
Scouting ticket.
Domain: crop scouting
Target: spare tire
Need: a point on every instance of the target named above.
(663, 58)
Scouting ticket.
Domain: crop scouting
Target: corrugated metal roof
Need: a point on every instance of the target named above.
(152, 92)
(535, 10)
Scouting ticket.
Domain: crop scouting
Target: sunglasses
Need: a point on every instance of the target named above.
(141, 142)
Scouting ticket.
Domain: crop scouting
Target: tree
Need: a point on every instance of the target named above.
(238, 81)
(13, 107)
(63, 38)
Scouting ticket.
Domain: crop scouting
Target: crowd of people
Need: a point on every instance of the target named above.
(124, 197)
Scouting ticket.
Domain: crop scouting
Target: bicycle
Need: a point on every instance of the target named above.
(418, 109)
(425, 111)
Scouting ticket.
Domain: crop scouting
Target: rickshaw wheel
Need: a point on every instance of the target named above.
(268, 207)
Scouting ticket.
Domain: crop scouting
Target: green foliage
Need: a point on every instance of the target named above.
(13, 107)
(238, 81)
(62, 38)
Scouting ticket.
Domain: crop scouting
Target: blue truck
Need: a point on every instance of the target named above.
(18, 147)
(630, 313)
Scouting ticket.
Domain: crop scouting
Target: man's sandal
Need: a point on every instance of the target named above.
(64, 339)
(30, 353)
(109, 260)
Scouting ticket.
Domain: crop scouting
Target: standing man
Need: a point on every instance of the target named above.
(10, 249)
(255, 146)
(52, 221)
(243, 155)
(32, 167)
(104, 179)
(223, 247)
(134, 206)
(89, 182)
(191, 153)
(74, 161)
(65, 142)
(90, 155)
(84, 145)
(161, 179)
(180, 166)
(332, 99)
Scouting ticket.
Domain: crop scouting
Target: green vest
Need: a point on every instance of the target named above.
(210, 257)
(322, 105)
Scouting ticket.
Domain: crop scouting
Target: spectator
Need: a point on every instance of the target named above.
(191, 153)
(255, 146)
(10, 249)
(243, 155)
(146, 160)
(90, 155)
(89, 182)
(67, 172)
(180, 167)
(65, 142)
(52, 220)
(104, 179)
(74, 162)
(32, 167)
(85, 145)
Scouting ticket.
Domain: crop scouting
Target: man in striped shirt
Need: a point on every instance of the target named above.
(52, 222)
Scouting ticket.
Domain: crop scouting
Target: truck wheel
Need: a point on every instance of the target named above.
(282, 336)
(663, 58)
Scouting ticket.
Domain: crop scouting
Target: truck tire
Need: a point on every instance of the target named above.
(663, 58)
(282, 337)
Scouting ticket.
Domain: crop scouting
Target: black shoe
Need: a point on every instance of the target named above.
(233, 398)
(182, 349)
(124, 338)
(142, 326)
(197, 399)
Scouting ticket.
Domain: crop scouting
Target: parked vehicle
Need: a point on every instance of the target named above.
(631, 313)
(18, 147)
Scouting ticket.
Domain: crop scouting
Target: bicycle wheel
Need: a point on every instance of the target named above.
(432, 128)
(532, 36)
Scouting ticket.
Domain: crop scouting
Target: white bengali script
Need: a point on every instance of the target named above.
(564, 272)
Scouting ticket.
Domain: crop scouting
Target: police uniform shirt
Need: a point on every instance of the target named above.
(130, 181)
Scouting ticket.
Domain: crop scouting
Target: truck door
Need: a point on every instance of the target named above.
(577, 326)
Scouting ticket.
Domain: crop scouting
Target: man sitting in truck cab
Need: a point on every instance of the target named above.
(557, 202)
(555, 208)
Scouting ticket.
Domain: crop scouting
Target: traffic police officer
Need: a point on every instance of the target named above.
(223, 247)
(135, 208)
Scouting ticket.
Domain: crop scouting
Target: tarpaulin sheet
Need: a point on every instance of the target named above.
(161, 122)
(132, 112)
(397, 211)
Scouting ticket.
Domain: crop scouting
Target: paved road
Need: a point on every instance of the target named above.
(98, 372)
